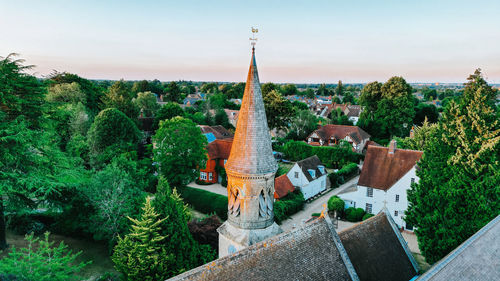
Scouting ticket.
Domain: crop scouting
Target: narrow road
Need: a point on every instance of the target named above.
(315, 206)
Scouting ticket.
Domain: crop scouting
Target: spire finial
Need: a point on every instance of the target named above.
(253, 40)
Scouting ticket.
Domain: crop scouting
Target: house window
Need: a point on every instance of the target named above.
(321, 169)
(412, 181)
(203, 175)
(397, 197)
(395, 213)
(296, 175)
(210, 176)
(312, 173)
(225, 161)
(369, 192)
(368, 208)
(354, 204)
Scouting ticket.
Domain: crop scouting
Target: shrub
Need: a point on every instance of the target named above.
(367, 216)
(288, 205)
(315, 214)
(348, 171)
(205, 201)
(41, 261)
(336, 204)
(331, 156)
(354, 214)
(297, 150)
(334, 180)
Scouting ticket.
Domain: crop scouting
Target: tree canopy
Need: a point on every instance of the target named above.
(459, 187)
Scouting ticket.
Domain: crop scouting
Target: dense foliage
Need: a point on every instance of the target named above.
(336, 204)
(331, 156)
(354, 214)
(140, 255)
(41, 261)
(180, 150)
(292, 203)
(459, 187)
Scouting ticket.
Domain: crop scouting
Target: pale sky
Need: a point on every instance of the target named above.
(298, 41)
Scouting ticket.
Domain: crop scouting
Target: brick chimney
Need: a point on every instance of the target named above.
(392, 147)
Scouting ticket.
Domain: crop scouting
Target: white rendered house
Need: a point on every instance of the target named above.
(309, 175)
(385, 178)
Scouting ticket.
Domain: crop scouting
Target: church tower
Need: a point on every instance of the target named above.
(250, 170)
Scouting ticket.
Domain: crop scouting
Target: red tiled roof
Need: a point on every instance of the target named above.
(282, 185)
(382, 170)
(341, 131)
(219, 149)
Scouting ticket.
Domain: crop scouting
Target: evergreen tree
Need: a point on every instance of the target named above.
(120, 96)
(179, 242)
(459, 187)
(141, 254)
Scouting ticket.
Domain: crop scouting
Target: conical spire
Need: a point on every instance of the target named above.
(251, 152)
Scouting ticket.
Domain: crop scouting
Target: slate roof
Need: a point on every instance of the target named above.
(219, 149)
(478, 258)
(341, 131)
(382, 170)
(311, 252)
(353, 110)
(282, 186)
(311, 163)
(378, 251)
(252, 153)
(218, 131)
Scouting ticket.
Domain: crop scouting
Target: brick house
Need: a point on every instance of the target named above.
(218, 152)
(330, 135)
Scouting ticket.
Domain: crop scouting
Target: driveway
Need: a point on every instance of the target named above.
(215, 188)
(315, 206)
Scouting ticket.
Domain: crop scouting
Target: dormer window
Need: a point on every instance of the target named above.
(321, 169)
(312, 173)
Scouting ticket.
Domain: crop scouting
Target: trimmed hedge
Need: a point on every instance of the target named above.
(331, 156)
(288, 205)
(347, 172)
(367, 216)
(354, 214)
(205, 201)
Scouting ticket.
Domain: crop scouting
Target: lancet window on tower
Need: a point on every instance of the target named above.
(234, 202)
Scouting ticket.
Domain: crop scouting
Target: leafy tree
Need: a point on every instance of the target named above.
(268, 87)
(112, 127)
(166, 112)
(179, 241)
(322, 90)
(425, 111)
(66, 93)
(289, 90)
(459, 187)
(220, 118)
(429, 94)
(93, 92)
(114, 196)
(141, 86)
(422, 136)
(141, 255)
(278, 110)
(348, 98)
(298, 106)
(147, 103)
(339, 118)
(180, 150)
(120, 96)
(388, 108)
(173, 92)
(217, 101)
(209, 88)
(42, 261)
(301, 125)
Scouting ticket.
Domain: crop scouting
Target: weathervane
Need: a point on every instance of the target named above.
(253, 40)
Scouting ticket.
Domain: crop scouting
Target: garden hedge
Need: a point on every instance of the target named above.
(205, 201)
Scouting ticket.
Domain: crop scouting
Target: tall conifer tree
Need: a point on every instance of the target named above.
(459, 187)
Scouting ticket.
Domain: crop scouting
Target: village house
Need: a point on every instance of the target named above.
(309, 175)
(386, 176)
(232, 115)
(330, 135)
(352, 111)
(218, 152)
